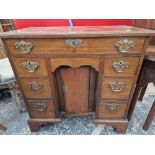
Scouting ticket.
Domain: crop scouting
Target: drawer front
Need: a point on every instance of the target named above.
(75, 62)
(116, 88)
(77, 45)
(112, 110)
(30, 67)
(36, 88)
(41, 109)
(121, 66)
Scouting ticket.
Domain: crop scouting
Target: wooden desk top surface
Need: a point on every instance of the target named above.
(77, 31)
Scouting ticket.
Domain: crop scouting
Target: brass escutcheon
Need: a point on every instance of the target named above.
(125, 45)
(35, 86)
(24, 47)
(117, 86)
(120, 66)
(73, 42)
(112, 107)
(30, 66)
(40, 106)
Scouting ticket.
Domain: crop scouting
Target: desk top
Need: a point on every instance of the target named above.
(77, 31)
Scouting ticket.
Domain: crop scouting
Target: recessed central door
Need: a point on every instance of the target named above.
(76, 89)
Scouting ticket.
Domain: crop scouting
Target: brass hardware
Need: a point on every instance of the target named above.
(40, 106)
(112, 107)
(117, 86)
(73, 42)
(125, 45)
(35, 86)
(65, 88)
(120, 66)
(30, 66)
(24, 47)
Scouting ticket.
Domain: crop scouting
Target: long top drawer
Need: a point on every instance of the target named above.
(75, 45)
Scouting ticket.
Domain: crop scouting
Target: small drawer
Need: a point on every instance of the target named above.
(75, 62)
(121, 66)
(41, 109)
(30, 67)
(76, 45)
(112, 110)
(36, 88)
(116, 88)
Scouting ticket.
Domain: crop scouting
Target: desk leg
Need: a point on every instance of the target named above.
(149, 117)
(35, 124)
(119, 125)
(133, 102)
(142, 93)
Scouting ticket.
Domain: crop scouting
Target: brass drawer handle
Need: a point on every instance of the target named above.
(112, 107)
(35, 86)
(117, 86)
(30, 66)
(40, 107)
(73, 42)
(120, 66)
(24, 47)
(125, 45)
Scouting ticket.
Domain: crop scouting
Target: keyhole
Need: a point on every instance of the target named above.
(65, 88)
(73, 43)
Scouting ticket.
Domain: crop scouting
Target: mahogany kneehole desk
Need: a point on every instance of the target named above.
(77, 71)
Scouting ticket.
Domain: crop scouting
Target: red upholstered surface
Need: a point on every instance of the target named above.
(102, 22)
(22, 23)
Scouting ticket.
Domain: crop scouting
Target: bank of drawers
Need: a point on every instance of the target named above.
(35, 83)
(117, 85)
(118, 73)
